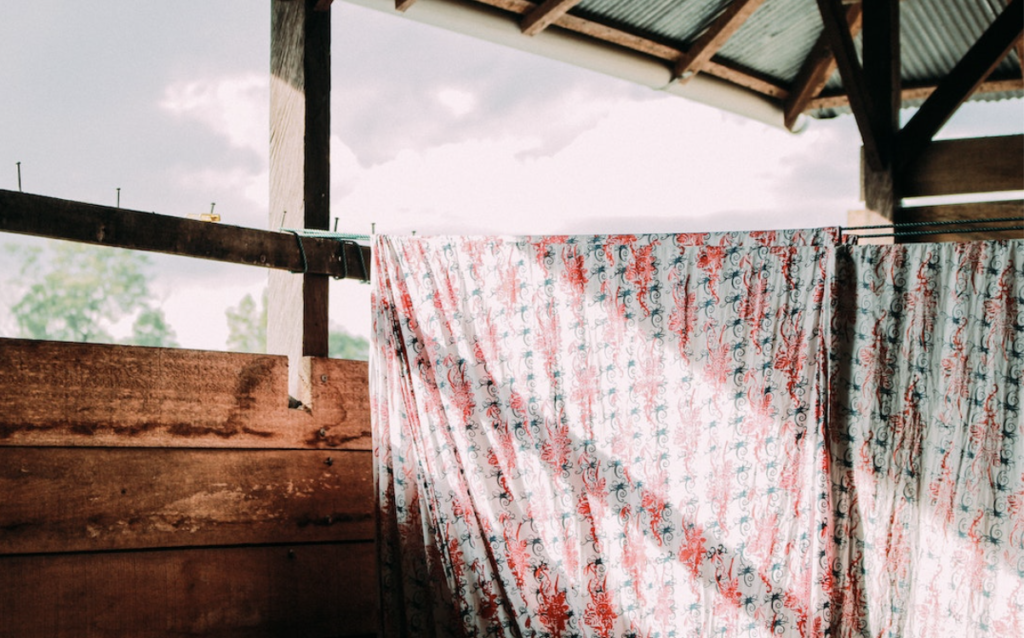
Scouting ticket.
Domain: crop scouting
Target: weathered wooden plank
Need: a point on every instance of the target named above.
(60, 394)
(248, 592)
(973, 165)
(953, 212)
(92, 499)
(28, 214)
(961, 82)
(300, 132)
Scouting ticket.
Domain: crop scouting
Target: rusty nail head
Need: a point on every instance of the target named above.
(322, 433)
(329, 461)
(323, 378)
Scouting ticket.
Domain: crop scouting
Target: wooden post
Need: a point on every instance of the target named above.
(881, 52)
(300, 129)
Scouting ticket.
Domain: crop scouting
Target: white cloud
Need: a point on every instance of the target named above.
(458, 101)
(235, 107)
(667, 160)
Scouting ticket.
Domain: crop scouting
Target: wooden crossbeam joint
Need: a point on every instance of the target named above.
(833, 18)
(714, 38)
(545, 15)
(818, 66)
(970, 72)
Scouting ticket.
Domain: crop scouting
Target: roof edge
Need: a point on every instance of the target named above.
(500, 27)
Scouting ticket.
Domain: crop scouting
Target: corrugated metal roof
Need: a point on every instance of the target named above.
(667, 21)
(776, 39)
(767, 52)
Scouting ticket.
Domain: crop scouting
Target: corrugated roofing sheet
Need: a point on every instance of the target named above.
(778, 36)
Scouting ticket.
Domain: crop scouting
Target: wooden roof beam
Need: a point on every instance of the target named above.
(817, 68)
(714, 38)
(545, 15)
(840, 100)
(402, 5)
(962, 81)
(837, 31)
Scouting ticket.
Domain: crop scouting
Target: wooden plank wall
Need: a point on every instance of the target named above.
(157, 492)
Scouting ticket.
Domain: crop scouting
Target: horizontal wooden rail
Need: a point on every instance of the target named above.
(41, 216)
(96, 499)
(256, 592)
(83, 394)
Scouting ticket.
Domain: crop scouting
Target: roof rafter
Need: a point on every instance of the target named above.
(818, 67)
(545, 15)
(966, 76)
(714, 38)
(841, 42)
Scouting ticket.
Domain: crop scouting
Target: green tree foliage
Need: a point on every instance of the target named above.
(247, 332)
(76, 292)
(342, 345)
(247, 328)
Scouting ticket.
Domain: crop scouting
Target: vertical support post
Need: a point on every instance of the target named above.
(881, 53)
(300, 129)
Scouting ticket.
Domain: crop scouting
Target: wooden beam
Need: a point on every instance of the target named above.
(956, 212)
(40, 216)
(1020, 55)
(300, 130)
(837, 31)
(714, 38)
(96, 395)
(882, 72)
(325, 589)
(545, 15)
(961, 82)
(99, 499)
(840, 100)
(817, 68)
(402, 5)
(975, 165)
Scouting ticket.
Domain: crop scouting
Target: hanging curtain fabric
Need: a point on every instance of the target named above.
(926, 440)
(678, 435)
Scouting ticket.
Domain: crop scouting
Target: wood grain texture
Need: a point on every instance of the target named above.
(72, 394)
(251, 592)
(55, 218)
(93, 499)
(973, 165)
(300, 129)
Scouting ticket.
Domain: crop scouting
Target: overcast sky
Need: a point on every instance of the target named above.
(431, 131)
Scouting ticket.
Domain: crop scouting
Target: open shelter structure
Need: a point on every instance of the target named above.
(156, 492)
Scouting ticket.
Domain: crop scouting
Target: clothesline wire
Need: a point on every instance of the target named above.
(953, 231)
(950, 222)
